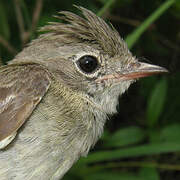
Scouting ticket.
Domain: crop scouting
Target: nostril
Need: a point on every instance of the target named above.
(134, 65)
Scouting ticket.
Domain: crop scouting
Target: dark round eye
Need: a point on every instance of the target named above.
(88, 64)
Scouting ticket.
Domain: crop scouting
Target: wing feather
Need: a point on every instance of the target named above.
(21, 88)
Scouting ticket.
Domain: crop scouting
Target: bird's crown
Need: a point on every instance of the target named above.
(90, 28)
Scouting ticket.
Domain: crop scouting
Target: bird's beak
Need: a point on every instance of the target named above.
(136, 70)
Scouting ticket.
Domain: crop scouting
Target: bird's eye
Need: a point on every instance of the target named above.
(88, 64)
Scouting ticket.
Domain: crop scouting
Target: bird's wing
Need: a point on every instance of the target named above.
(21, 88)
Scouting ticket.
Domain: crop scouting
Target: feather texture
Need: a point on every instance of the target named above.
(90, 28)
(21, 89)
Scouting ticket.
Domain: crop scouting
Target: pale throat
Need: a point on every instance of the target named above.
(108, 99)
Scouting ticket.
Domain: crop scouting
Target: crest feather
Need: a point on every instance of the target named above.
(90, 28)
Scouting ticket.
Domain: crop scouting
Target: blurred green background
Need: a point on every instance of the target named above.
(142, 141)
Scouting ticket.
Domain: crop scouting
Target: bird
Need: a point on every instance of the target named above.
(57, 93)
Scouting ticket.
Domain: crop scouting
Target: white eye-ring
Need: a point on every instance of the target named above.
(87, 63)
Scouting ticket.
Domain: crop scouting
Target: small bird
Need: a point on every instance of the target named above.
(55, 95)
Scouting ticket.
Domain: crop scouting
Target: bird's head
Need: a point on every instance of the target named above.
(90, 57)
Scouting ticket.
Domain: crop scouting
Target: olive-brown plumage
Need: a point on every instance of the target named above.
(55, 95)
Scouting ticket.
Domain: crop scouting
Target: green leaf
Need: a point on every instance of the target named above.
(106, 135)
(170, 133)
(176, 9)
(4, 30)
(156, 102)
(137, 151)
(134, 36)
(149, 173)
(125, 136)
(26, 14)
(104, 175)
(106, 6)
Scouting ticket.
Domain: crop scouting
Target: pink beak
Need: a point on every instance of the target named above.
(139, 70)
